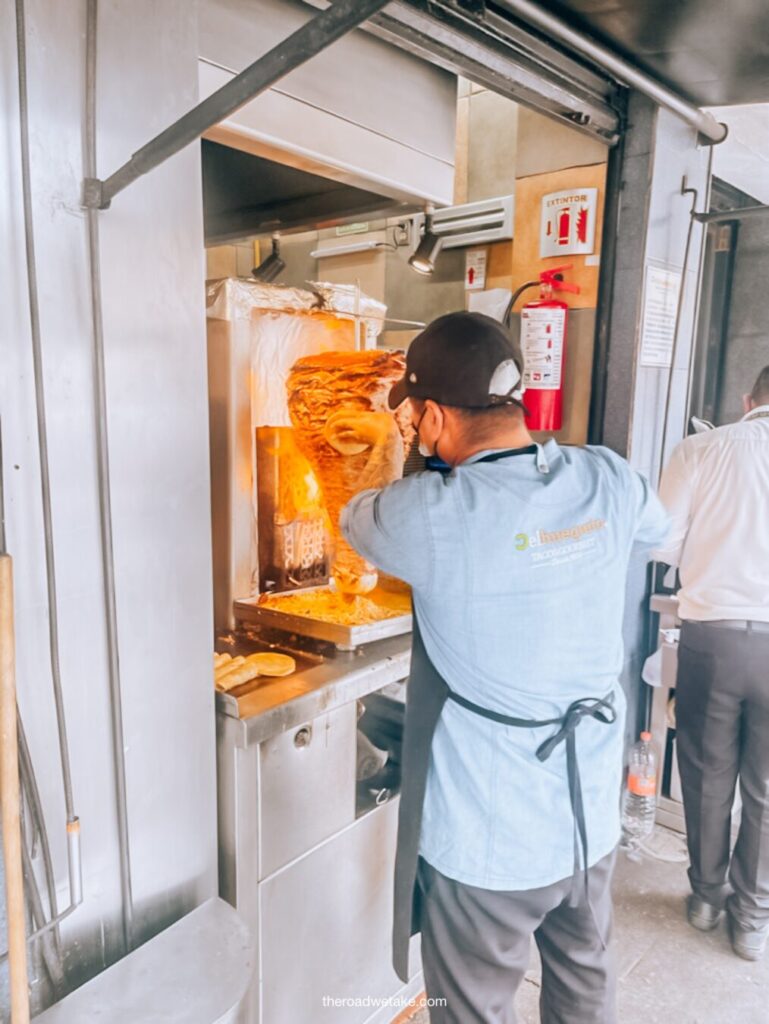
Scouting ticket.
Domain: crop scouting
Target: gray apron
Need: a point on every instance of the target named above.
(426, 695)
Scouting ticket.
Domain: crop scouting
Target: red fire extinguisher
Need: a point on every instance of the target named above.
(543, 343)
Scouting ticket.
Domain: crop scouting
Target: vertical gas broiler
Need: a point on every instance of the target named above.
(308, 762)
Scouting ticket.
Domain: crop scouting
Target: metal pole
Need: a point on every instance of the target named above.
(744, 213)
(624, 72)
(105, 500)
(698, 297)
(677, 329)
(313, 37)
(42, 428)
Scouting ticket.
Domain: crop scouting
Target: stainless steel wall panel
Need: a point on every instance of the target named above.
(233, 523)
(363, 112)
(153, 273)
(676, 157)
(238, 817)
(360, 79)
(342, 888)
(659, 150)
(307, 787)
(152, 255)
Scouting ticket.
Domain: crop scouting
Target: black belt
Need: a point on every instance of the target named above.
(746, 625)
(600, 708)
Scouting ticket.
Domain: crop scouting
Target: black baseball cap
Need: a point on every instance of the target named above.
(468, 360)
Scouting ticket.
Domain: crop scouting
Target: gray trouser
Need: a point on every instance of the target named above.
(475, 949)
(722, 734)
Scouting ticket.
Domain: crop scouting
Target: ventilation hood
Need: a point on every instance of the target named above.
(245, 195)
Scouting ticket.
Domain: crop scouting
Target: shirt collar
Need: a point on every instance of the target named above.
(763, 409)
(550, 447)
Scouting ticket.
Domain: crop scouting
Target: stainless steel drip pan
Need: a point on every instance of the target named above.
(248, 610)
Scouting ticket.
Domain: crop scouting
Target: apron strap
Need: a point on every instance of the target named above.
(496, 716)
(600, 708)
(588, 707)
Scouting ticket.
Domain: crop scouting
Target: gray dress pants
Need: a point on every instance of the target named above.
(476, 942)
(722, 735)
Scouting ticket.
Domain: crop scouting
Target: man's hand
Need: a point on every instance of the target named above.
(351, 433)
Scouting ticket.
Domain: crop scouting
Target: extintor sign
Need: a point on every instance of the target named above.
(567, 226)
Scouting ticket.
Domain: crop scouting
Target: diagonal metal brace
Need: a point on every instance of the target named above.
(313, 37)
(740, 213)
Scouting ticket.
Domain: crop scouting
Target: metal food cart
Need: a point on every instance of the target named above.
(307, 817)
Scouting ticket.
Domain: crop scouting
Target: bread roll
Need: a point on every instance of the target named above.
(271, 663)
(242, 674)
(228, 667)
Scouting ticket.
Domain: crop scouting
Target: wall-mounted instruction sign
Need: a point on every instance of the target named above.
(662, 287)
(475, 269)
(543, 329)
(567, 226)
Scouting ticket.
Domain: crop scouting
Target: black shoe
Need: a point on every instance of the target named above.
(748, 944)
(701, 915)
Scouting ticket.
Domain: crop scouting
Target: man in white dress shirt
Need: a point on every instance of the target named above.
(716, 489)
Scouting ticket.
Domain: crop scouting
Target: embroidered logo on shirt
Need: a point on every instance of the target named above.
(566, 545)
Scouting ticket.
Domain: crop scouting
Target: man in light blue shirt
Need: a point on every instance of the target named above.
(517, 558)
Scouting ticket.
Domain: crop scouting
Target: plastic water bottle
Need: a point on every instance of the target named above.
(640, 803)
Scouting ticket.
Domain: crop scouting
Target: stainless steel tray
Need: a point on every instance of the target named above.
(249, 610)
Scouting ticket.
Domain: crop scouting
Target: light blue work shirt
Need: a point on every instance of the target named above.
(518, 569)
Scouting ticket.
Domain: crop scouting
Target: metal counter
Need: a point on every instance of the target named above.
(322, 683)
(305, 862)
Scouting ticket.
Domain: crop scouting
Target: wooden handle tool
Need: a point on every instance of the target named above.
(10, 803)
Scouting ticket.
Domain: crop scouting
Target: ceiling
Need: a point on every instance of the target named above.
(714, 52)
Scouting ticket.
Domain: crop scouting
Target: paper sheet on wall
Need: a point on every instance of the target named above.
(661, 290)
(493, 302)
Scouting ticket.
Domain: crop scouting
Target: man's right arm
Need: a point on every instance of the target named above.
(389, 527)
(676, 492)
(652, 523)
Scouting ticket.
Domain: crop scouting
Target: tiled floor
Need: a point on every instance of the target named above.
(668, 973)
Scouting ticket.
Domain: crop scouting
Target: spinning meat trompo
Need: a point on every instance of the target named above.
(338, 407)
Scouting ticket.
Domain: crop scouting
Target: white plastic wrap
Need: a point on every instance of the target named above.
(287, 324)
